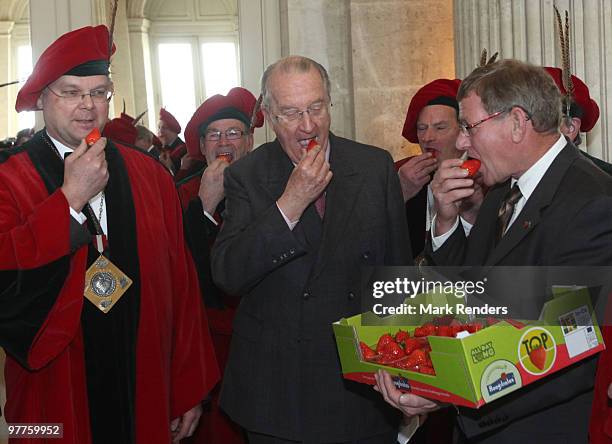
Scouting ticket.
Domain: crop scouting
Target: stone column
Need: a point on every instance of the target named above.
(397, 47)
(526, 30)
(378, 54)
(142, 71)
(7, 113)
(121, 65)
(51, 18)
(321, 30)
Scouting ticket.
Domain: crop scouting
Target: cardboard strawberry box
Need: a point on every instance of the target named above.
(486, 365)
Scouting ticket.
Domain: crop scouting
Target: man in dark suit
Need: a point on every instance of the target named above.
(547, 206)
(298, 228)
(431, 121)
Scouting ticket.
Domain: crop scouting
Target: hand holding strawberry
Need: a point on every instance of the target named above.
(307, 182)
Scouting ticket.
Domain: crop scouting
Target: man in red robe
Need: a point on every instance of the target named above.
(168, 130)
(219, 132)
(135, 373)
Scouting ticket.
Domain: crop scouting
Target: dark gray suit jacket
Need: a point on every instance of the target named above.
(567, 221)
(283, 376)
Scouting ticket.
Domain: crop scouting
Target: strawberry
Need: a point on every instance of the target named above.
(393, 350)
(311, 144)
(426, 329)
(474, 327)
(226, 157)
(472, 166)
(92, 137)
(411, 344)
(427, 370)
(417, 357)
(401, 336)
(445, 330)
(367, 353)
(538, 357)
(383, 341)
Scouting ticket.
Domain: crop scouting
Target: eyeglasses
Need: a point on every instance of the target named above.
(98, 95)
(293, 115)
(466, 128)
(230, 134)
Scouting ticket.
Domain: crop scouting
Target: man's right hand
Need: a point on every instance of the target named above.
(85, 173)
(211, 190)
(450, 186)
(409, 404)
(414, 174)
(308, 180)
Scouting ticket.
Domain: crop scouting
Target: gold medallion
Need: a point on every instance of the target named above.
(105, 284)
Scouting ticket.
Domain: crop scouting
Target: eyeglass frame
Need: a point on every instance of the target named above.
(465, 127)
(224, 133)
(80, 97)
(299, 114)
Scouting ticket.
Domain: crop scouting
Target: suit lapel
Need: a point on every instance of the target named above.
(341, 195)
(541, 198)
(279, 168)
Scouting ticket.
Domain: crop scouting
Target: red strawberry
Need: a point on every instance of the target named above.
(367, 353)
(538, 357)
(426, 329)
(427, 370)
(383, 341)
(417, 357)
(445, 330)
(472, 166)
(92, 137)
(474, 327)
(401, 336)
(394, 350)
(311, 144)
(411, 344)
(226, 157)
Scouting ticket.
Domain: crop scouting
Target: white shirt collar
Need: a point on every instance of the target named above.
(530, 179)
(63, 149)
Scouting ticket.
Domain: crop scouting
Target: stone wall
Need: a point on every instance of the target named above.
(378, 52)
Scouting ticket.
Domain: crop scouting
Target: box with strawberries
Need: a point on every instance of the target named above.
(470, 363)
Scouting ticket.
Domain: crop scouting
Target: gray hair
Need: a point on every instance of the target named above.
(508, 83)
(291, 64)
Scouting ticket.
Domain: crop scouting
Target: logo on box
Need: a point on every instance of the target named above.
(498, 378)
(537, 351)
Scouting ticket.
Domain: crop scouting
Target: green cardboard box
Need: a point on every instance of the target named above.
(486, 365)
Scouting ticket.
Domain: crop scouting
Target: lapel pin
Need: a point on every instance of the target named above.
(527, 224)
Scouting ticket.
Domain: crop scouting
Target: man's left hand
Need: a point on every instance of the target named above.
(184, 426)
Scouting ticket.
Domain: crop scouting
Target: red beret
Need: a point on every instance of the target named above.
(127, 118)
(581, 97)
(440, 88)
(238, 104)
(169, 120)
(120, 130)
(69, 51)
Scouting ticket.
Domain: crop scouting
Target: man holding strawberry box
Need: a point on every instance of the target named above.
(547, 206)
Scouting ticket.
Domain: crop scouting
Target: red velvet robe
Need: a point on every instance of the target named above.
(175, 363)
(600, 429)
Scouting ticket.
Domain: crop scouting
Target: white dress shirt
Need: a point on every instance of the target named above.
(94, 202)
(527, 183)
